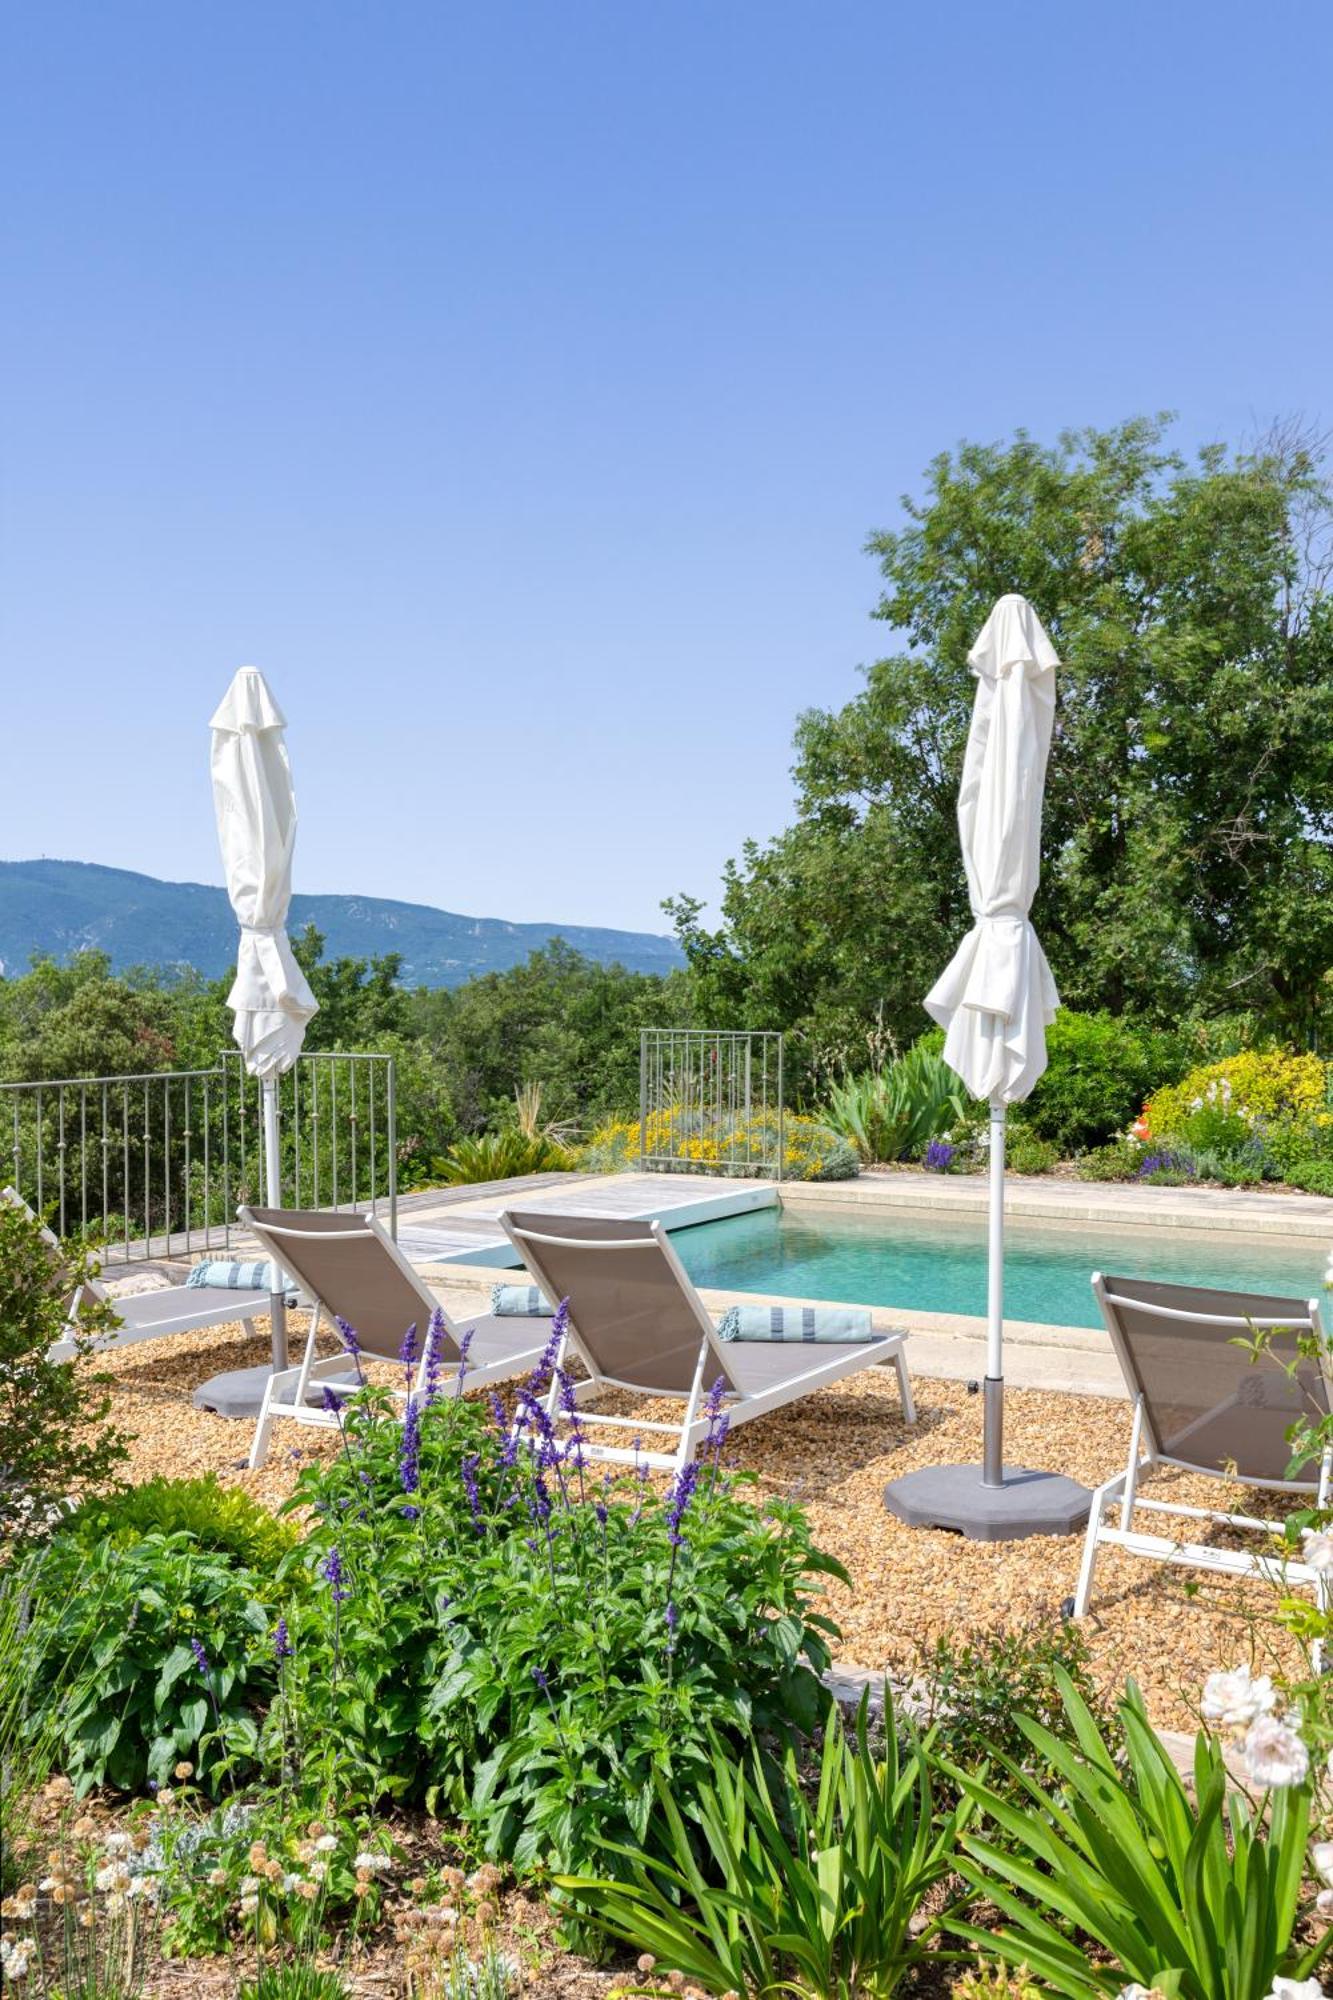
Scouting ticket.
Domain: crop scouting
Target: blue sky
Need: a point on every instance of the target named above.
(517, 383)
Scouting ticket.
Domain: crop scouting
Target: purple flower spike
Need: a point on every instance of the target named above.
(331, 1569)
(407, 1354)
(468, 1471)
(200, 1657)
(282, 1645)
(672, 1622)
(464, 1349)
(434, 1351)
(333, 1404)
(409, 1456)
(682, 1492)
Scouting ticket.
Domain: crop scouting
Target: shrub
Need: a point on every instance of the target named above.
(821, 1896)
(527, 1646)
(976, 1689)
(1314, 1176)
(174, 1649)
(893, 1113)
(222, 1520)
(1194, 1892)
(502, 1156)
(810, 1150)
(1271, 1099)
(1025, 1153)
(1119, 1161)
(1100, 1067)
(54, 1437)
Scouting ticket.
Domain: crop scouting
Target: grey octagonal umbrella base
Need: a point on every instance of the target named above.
(954, 1497)
(239, 1392)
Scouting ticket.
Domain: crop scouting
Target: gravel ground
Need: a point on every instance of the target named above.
(834, 1453)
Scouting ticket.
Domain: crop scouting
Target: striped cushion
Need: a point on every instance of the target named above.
(233, 1277)
(519, 1302)
(796, 1323)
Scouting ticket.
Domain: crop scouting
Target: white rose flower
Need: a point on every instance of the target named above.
(1274, 1756)
(1317, 1549)
(1321, 1855)
(1234, 1700)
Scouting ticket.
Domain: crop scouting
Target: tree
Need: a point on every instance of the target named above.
(1187, 859)
(54, 1437)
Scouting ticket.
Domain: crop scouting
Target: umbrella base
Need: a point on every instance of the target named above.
(953, 1497)
(239, 1392)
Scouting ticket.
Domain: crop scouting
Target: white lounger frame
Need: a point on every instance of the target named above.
(692, 1430)
(1124, 1487)
(177, 1314)
(285, 1392)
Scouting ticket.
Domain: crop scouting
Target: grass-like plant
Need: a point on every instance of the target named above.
(1197, 1897)
(766, 1889)
(893, 1113)
(503, 1155)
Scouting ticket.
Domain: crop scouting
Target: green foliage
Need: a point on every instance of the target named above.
(1025, 1153)
(498, 1156)
(142, 1701)
(1258, 1112)
(1119, 1161)
(976, 1689)
(893, 1113)
(31, 1692)
(54, 1434)
(221, 1520)
(1199, 1896)
(1315, 1176)
(765, 1889)
(1188, 824)
(1100, 1069)
(516, 1665)
(293, 1981)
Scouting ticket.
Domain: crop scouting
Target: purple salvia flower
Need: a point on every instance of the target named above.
(200, 1657)
(352, 1344)
(498, 1417)
(464, 1349)
(672, 1622)
(541, 1680)
(282, 1645)
(468, 1470)
(333, 1573)
(407, 1354)
(434, 1352)
(409, 1456)
(682, 1492)
(333, 1404)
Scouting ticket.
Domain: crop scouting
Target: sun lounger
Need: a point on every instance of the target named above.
(1201, 1402)
(147, 1315)
(354, 1271)
(637, 1323)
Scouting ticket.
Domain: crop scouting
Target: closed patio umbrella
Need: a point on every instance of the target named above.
(995, 1000)
(270, 999)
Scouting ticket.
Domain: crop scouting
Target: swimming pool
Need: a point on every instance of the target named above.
(937, 1263)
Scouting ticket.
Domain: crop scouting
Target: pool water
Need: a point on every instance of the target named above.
(935, 1263)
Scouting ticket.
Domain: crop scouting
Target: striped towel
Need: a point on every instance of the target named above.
(234, 1277)
(519, 1302)
(805, 1323)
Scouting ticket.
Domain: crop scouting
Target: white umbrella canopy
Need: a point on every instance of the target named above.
(995, 1000)
(256, 817)
(996, 997)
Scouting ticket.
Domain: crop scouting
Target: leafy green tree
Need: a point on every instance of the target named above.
(1187, 858)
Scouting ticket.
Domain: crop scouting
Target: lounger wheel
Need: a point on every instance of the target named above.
(1067, 1608)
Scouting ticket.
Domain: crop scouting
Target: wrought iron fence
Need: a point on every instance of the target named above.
(154, 1165)
(710, 1102)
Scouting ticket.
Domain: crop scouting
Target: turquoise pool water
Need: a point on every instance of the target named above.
(938, 1263)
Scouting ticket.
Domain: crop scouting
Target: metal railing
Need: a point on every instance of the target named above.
(154, 1165)
(711, 1102)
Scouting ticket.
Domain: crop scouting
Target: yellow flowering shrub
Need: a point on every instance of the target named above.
(810, 1151)
(1257, 1087)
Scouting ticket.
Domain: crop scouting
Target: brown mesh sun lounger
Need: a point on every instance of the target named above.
(149, 1315)
(354, 1271)
(1203, 1403)
(637, 1323)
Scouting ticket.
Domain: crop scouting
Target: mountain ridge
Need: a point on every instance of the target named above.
(57, 907)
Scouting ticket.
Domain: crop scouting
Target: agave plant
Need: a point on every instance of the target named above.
(893, 1113)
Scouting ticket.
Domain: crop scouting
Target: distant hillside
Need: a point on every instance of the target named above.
(65, 906)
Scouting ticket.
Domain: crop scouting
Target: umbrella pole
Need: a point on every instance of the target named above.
(277, 1304)
(992, 1455)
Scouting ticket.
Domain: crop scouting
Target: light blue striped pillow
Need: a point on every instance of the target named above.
(519, 1302)
(233, 1277)
(811, 1324)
